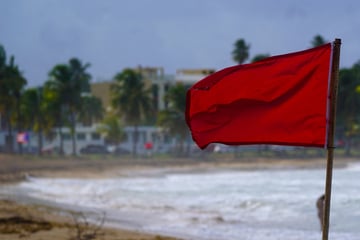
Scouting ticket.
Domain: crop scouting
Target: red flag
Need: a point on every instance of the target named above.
(280, 100)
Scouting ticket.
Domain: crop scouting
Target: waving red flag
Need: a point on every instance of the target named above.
(280, 100)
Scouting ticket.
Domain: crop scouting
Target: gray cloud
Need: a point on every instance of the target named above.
(112, 34)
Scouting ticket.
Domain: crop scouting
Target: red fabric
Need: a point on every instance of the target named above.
(148, 145)
(280, 100)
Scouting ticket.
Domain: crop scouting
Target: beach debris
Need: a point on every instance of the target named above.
(87, 228)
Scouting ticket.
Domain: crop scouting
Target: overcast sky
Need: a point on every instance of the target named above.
(115, 34)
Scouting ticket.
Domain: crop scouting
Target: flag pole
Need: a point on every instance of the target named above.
(334, 80)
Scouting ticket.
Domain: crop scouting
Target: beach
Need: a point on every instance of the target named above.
(24, 220)
(35, 222)
(20, 219)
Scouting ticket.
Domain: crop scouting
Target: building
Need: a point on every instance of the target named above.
(190, 76)
(89, 135)
(101, 90)
(156, 79)
(159, 82)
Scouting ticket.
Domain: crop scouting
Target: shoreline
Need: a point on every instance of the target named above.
(16, 169)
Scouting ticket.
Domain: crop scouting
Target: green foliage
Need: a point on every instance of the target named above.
(2, 58)
(348, 99)
(70, 81)
(259, 57)
(30, 107)
(12, 84)
(348, 104)
(241, 51)
(318, 40)
(91, 110)
(52, 105)
(112, 129)
(172, 119)
(131, 100)
(357, 89)
(38, 112)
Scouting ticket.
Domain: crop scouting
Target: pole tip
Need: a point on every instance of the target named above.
(337, 41)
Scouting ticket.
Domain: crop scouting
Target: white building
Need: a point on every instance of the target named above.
(90, 136)
(190, 76)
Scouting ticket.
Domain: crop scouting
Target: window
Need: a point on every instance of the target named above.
(167, 138)
(66, 136)
(80, 136)
(95, 136)
(154, 137)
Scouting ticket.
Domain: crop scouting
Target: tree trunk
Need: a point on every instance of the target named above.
(61, 150)
(19, 123)
(40, 140)
(135, 140)
(73, 133)
(61, 147)
(10, 140)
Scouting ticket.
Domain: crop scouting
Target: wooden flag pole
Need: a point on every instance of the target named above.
(334, 80)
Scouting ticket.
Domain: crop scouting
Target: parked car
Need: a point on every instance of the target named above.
(121, 151)
(94, 149)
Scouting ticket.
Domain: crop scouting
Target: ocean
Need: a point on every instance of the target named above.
(213, 205)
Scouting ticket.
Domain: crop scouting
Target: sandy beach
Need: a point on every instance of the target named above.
(22, 220)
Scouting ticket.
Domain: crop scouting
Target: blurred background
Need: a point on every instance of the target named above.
(110, 77)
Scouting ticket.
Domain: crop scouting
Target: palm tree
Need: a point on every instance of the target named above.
(348, 103)
(131, 100)
(259, 57)
(17, 83)
(241, 51)
(79, 84)
(91, 110)
(54, 114)
(112, 129)
(4, 98)
(70, 81)
(32, 109)
(57, 94)
(318, 40)
(12, 84)
(2, 59)
(2, 79)
(172, 119)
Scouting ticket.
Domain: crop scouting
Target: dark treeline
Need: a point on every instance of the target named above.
(65, 99)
